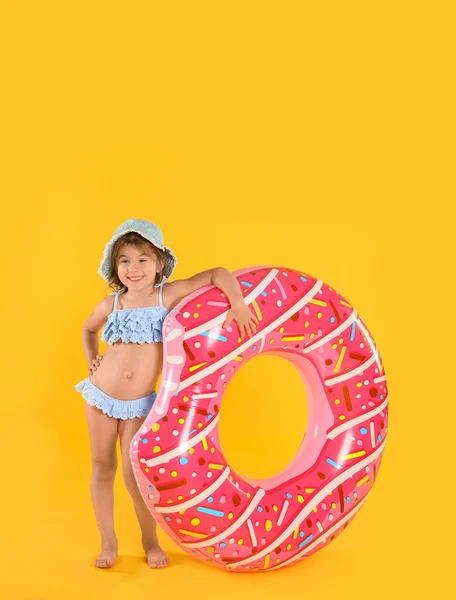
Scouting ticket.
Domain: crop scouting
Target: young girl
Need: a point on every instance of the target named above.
(120, 390)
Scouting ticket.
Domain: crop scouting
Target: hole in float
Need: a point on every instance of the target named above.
(263, 417)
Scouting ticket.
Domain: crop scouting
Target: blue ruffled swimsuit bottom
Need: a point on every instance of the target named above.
(119, 409)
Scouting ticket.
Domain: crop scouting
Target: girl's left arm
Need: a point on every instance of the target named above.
(227, 282)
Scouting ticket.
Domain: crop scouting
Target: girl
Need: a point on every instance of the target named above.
(120, 389)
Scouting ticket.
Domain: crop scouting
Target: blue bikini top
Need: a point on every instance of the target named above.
(137, 325)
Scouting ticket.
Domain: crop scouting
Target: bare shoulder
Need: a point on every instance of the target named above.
(100, 314)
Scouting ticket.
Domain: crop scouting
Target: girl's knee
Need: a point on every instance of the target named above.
(104, 469)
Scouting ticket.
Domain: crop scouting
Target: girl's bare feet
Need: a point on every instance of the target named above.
(156, 558)
(108, 555)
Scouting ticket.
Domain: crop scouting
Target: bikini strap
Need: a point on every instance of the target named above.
(116, 298)
(161, 290)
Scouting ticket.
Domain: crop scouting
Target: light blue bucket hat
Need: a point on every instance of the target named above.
(147, 230)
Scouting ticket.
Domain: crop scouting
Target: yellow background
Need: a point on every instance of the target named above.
(316, 136)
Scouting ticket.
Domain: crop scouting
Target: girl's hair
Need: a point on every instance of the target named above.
(137, 240)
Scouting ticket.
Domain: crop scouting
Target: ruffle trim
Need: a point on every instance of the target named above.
(119, 409)
(135, 326)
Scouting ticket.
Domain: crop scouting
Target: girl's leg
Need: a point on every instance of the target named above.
(155, 555)
(103, 431)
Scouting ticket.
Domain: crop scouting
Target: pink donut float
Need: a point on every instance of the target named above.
(211, 512)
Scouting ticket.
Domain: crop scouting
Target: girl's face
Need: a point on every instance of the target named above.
(137, 266)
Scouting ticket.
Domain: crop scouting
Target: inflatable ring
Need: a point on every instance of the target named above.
(210, 511)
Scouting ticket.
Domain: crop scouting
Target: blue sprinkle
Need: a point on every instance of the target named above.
(167, 518)
(192, 431)
(222, 545)
(381, 396)
(210, 511)
(151, 487)
(332, 319)
(289, 496)
(379, 437)
(352, 335)
(210, 499)
(301, 534)
(209, 417)
(303, 278)
(263, 293)
(247, 283)
(260, 509)
(348, 499)
(334, 464)
(363, 430)
(183, 460)
(222, 338)
(254, 348)
(145, 440)
(306, 541)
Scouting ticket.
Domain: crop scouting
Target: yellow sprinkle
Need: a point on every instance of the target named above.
(240, 542)
(155, 427)
(205, 446)
(320, 315)
(306, 324)
(312, 335)
(193, 533)
(196, 315)
(337, 401)
(268, 525)
(211, 549)
(238, 358)
(341, 341)
(146, 469)
(185, 398)
(309, 490)
(334, 346)
(180, 497)
(157, 449)
(215, 466)
(295, 533)
(293, 338)
(181, 512)
(200, 425)
(333, 505)
(195, 367)
(277, 560)
(354, 455)
(315, 509)
(257, 310)
(195, 522)
(340, 359)
(300, 499)
(248, 494)
(191, 450)
(274, 508)
(198, 306)
(317, 302)
(359, 384)
(282, 329)
(266, 561)
(363, 480)
(342, 417)
(170, 501)
(173, 473)
(345, 303)
(230, 515)
(212, 450)
(289, 547)
(181, 421)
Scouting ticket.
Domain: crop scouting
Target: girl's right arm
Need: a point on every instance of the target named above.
(92, 326)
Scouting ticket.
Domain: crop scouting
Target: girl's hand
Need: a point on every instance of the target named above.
(95, 363)
(244, 318)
